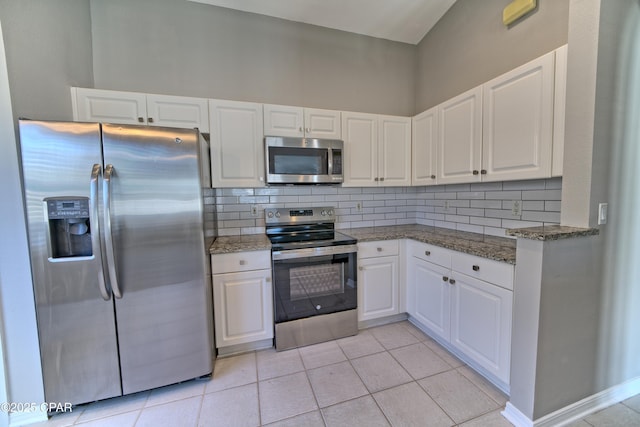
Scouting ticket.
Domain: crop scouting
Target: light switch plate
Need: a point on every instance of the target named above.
(602, 213)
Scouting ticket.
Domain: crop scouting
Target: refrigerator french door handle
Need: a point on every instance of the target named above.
(95, 229)
(111, 259)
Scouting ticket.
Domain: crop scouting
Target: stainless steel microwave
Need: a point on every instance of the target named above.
(303, 160)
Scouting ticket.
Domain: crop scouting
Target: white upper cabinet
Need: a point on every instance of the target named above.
(360, 133)
(178, 112)
(377, 150)
(518, 122)
(559, 108)
(237, 149)
(394, 151)
(460, 138)
(109, 106)
(283, 120)
(424, 139)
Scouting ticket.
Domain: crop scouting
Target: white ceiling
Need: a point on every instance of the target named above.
(399, 20)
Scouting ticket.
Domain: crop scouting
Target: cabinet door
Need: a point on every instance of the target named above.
(429, 300)
(518, 122)
(237, 148)
(394, 151)
(109, 106)
(360, 134)
(322, 124)
(243, 307)
(283, 120)
(424, 137)
(559, 109)
(460, 138)
(481, 323)
(377, 287)
(178, 112)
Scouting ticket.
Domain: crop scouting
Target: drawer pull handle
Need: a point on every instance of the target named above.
(427, 253)
(242, 262)
(445, 279)
(268, 280)
(476, 268)
(452, 281)
(379, 249)
(360, 268)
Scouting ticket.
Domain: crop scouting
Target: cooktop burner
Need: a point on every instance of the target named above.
(306, 227)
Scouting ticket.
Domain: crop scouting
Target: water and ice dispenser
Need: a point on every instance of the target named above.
(69, 227)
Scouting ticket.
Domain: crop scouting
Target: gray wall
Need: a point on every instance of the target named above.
(470, 45)
(48, 48)
(182, 48)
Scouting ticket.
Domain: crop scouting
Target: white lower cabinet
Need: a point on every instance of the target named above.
(465, 301)
(378, 284)
(242, 297)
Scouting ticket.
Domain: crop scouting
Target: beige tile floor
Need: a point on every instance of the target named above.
(389, 375)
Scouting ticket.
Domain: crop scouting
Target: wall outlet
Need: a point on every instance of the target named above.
(516, 208)
(254, 210)
(446, 205)
(602, 213)
(359, 206)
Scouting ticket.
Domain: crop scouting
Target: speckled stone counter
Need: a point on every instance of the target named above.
(491, 247)
(229, 244)
(552, 232)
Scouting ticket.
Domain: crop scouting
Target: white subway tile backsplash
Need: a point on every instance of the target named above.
(478, 207)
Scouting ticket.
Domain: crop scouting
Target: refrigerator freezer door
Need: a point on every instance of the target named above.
(76, 325)
(163, 316)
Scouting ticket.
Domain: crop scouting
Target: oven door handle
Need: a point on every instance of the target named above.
(311, 252)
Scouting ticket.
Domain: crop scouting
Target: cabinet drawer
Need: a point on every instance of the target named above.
(430, 253)
(240, 261)
(498, 273)
(379, 248)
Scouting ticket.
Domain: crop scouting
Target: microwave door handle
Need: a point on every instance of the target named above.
(95, 229)
(111, 259)
(330, 161)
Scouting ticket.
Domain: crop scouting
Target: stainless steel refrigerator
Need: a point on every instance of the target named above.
(115, 227)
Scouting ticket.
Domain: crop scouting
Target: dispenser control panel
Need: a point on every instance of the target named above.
(62, 208)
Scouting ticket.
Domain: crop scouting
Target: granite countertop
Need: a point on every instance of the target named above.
(250, 242)
(491, 247)
(552, 232)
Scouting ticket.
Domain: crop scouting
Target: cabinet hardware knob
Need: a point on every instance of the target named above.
(376, 178)
(242, 262)
(268, 280)
(140, 119)
(483, 171)
(379, 249)
(382, 179)
(476, 268)
(452, 281)
(445, 279)
(360, 268)
(427, 253)
(150, 120)
(475, 172)
(308, 130)
(433, 177)
(300, 129)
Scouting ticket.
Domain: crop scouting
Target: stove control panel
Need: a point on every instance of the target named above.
(303, 215)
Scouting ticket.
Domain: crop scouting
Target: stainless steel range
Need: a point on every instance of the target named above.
(314, 273)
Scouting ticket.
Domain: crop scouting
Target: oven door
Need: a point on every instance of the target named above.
(313, 281)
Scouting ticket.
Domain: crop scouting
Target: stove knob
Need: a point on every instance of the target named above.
(318, 307)
(270, 214)
(277, 214)
(331, 212)
(323, 213)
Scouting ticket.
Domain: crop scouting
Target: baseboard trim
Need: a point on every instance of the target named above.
(577, 410)
(23, 418)
(232, 350)
(366, 324)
